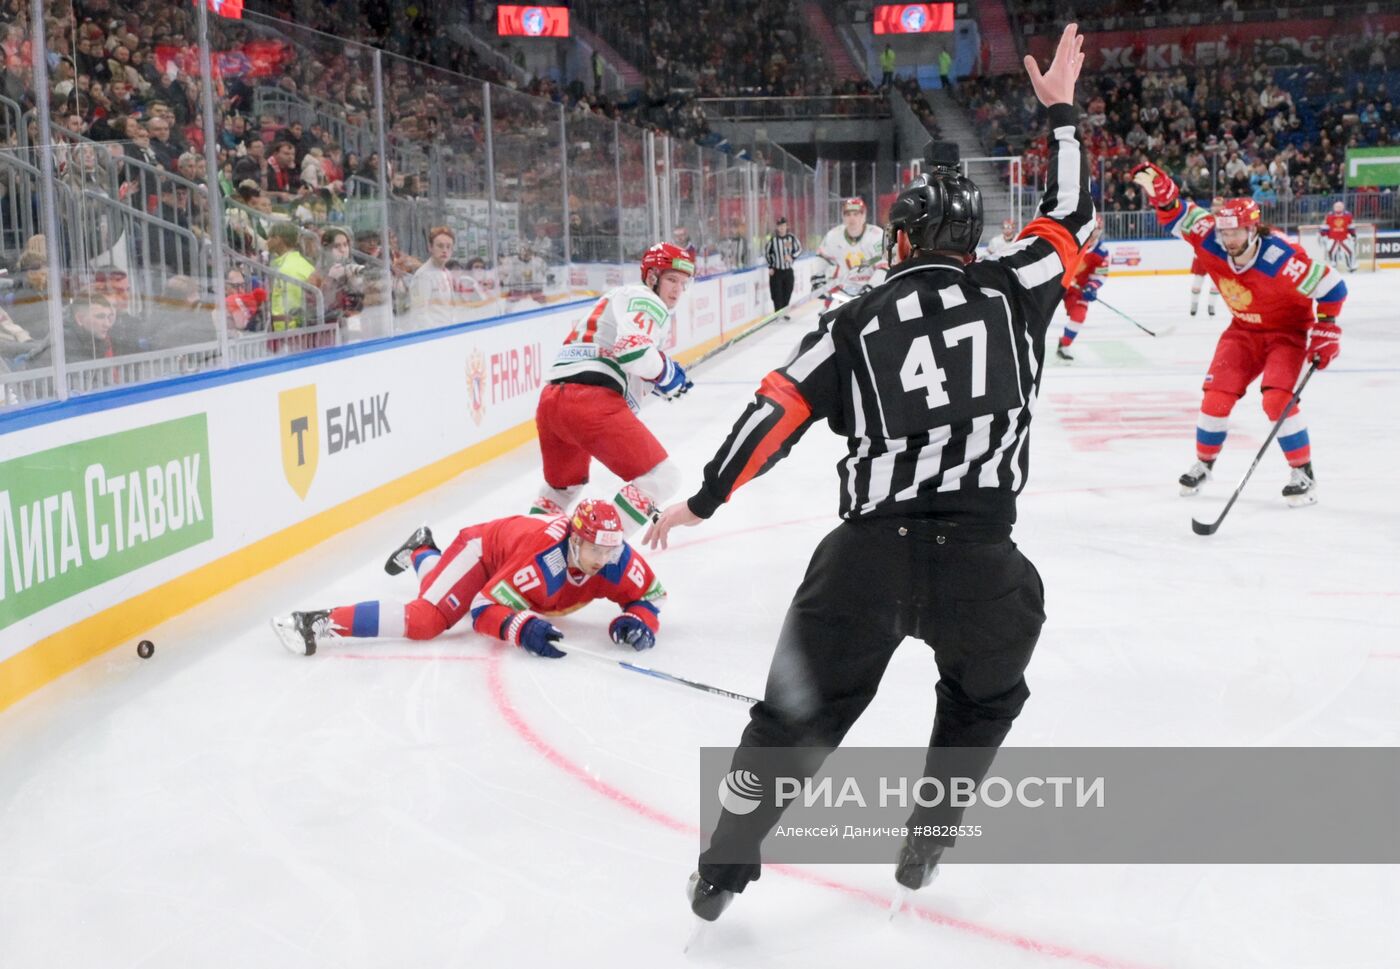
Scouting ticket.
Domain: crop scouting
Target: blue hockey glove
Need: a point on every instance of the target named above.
(1090, 290)
(673, 382)
(628, 630)
(539, 637)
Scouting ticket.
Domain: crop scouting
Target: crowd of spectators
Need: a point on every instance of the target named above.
(1266, 132)
(724, 48)
(126, 107)
(1044, 17)
(297, 183)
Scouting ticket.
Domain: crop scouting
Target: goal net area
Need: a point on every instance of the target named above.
(1363, 246)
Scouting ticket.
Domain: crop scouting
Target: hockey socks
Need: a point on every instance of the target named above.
(371, 619)
(1293, 435)
(640, 500)
(1212, 424)
(555, 501)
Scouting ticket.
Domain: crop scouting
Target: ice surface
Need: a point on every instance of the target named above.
(459, 804)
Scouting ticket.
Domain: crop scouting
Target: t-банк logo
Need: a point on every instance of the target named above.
(301, 436)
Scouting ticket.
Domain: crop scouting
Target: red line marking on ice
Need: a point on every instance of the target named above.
(431, 658)
(500, 696)
(1052, 949)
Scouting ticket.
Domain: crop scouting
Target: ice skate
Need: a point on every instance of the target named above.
(1210, 310)
(1192, 480)
(300, 631)
(1193, 311)
(707, 901)
(1301, 489)
(917, 868)
(1064, 354)
(403, 555)
(918, 863)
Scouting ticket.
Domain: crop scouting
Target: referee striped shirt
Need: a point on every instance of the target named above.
(931, 377)
(781, 251)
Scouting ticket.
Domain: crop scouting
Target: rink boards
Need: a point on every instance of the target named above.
(120, 510)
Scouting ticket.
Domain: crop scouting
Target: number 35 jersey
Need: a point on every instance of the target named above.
(931, 377)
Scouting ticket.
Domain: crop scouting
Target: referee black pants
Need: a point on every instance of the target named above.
(780, 288)
(966, 591)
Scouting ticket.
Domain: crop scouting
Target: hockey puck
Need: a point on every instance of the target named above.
(145, 648)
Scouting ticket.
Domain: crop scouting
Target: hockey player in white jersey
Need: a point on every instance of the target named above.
(855, 250)
(1001, 243)
(587, 410)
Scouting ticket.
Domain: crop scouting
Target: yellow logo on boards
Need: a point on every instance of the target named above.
(301, 436)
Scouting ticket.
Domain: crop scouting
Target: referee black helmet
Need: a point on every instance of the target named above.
(940, 211)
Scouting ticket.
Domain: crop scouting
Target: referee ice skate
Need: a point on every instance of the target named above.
(932, 379)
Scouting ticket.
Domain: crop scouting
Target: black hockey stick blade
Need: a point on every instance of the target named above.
(1202, 528)
(1113, 309)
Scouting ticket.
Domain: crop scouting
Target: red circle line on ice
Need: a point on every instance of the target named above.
(500, 697)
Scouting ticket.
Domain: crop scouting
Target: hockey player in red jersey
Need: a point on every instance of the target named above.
(508, 574)
(1270, 287)
(1083, 289)
(588, 409)
(1341, 238)
(1199, 274)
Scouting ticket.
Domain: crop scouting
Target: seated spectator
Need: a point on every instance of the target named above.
(167, 152)
(27, 303)
(283, 178)
(114, 285)
(245, 306)
(87, 333)
(680, 235)
(342, 279)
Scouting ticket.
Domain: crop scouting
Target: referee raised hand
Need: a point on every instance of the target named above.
(932, 377)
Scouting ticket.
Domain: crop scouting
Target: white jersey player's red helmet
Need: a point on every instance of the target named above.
(666, 255)
(855, 204)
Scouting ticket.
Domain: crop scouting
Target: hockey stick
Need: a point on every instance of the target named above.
(668, 677)
(1200, 528)
(1111, 308)
(775, 315)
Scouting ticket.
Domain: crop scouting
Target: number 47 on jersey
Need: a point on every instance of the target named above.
(945, 368)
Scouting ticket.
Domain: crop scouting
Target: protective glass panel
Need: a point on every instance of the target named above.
(441, 221)
(527, 151)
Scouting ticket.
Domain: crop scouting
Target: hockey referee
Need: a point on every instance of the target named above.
(932, 378)
(781, 250)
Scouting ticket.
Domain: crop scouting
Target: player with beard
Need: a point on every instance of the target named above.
(1271, 287)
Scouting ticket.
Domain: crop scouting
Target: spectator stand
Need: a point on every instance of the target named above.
(549, 196)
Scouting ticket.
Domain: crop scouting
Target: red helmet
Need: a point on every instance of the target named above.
(596, 520)
(666, 255)
(856, 204)
(1238, 214)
